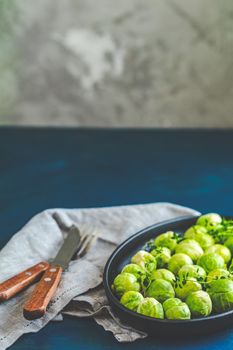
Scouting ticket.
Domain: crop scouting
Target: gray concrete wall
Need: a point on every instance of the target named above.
(116, 63)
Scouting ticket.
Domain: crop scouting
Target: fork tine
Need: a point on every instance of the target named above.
(82, 241)
(82, 238)
(85, 246)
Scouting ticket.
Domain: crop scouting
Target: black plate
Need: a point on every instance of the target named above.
(122, 255)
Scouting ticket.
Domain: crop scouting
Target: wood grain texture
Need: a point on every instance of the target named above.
(36, 306)
(17, 283)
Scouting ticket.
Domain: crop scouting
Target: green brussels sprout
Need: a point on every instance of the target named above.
(163, 274)
(177, 261)
(145, 260)
(125, 282)
(131, 300)
(168, 240)
(209, 220)
(199, 234)
(217, 274)
(178, 312)
(211, 262)
(221, 250)
(199, 303)
(229, 244)
(231, 267)
(135, 270)
(171, 302)
(184, 287)
(192, 271)
(160, 290)
(221, 294)
(151, 307)
(162, 256)
(191, 248)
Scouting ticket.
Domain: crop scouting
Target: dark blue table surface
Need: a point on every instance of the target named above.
(45, 168)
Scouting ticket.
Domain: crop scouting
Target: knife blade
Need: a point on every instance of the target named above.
(36, 306)
(68, 248)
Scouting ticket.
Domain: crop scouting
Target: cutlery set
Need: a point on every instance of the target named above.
(48, 273)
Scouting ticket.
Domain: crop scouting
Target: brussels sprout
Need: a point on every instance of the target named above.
(168, 240)
(199, 303)
(217, 274)
(231, 267)
(199, 233)
(163, 274)
(177, 261)
(193, 230)
(162, 256)
(221, 250)
(229, 244)
(209, 220)
(221, 294)
(211, 262)
(131, 300)
(160, 290)
(184, 287)
(151, 307)
(171, 302)
(191, 248)
(135, 270)
(178, 312)
(145, 260)
(191, 271)
(125, 282)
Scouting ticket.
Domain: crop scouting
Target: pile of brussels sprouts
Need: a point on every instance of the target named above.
(181, 277)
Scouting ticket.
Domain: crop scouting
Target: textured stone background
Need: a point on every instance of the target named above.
(116, 63)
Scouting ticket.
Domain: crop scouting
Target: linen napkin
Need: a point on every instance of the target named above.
(80, 292)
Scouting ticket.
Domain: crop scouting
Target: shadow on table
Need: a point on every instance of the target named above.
(188, 341)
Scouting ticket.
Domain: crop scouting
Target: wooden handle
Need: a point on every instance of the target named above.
(42, 294)
(15, 284)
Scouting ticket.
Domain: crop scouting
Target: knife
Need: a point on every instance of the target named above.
(36, 306)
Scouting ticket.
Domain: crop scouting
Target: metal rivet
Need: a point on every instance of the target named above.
(28, 273)
(52, 270)
(47, 279)
(41, 265)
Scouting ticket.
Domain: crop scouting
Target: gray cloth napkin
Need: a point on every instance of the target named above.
(80, 292)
